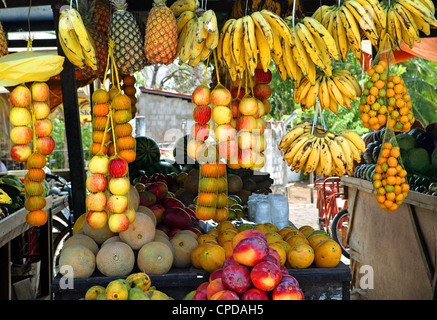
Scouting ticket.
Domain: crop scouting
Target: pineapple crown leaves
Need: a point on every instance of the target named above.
(86, 11)
(119, 5)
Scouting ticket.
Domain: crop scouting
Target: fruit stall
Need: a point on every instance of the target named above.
(209, 224)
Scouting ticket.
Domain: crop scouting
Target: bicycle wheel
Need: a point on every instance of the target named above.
(339, 228)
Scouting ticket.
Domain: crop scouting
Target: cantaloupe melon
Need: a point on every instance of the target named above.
(140, 232)
(155, 258)
(112, 239)
(98, 235)
(83, 240)
(183, 245)
(77, 261)
(164, 240)
(115, 259)
(148, 212)
(161, 233)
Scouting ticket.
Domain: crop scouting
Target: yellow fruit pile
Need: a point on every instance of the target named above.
(293, 247)
(212, 199)
(385, 97)
(389, 179)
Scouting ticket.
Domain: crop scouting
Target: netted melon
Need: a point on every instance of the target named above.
(115, 259)
(140, 232)
(155, 258)
(83, 240)
(77, 261)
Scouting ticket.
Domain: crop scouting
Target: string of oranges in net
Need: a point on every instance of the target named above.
(389, 179)
(385, 98)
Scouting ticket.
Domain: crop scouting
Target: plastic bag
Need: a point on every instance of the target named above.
(384, 94)
(27, 66)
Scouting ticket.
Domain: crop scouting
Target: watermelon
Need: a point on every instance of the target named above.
(148, 152)
(165, 167)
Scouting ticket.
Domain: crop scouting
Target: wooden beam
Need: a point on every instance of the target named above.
(72, 130)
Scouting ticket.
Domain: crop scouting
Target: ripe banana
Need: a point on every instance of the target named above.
(314, 158)
(352, 32)
(343, 43)
(69, 42)
(299, 53)
(277, 23)
(201, 32)
(337, 156)
(325, 158)
(410, 32)
(354, 138)
(348, 155)
(180, 6)
(263, 25)
(321, 33)
(210, 21)
(310, 46)
(236, 40)
(226, 44)
(364, 19)
(416, 7)
(211, 40)
(250, 46)
(183, 19)
(302, 154)
(263, 49)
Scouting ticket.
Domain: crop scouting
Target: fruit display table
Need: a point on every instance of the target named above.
(392, 254)
(14, 225)
(316, 283)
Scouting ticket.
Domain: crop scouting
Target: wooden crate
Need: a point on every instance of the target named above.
(393, 254)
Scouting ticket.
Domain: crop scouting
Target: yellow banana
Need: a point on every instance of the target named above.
(205, 53)
(337, 156)
(292, 135)
(309, 44)
(348, 155)
(201, 32)
(276, 53)
(180, 6)
(393, 27)
(343, 44)
(301, 90)
(325, 158)
(183, 19)
(429, 4)
(280, 67)
(314, 157)
(352, 32)
(421, 24)
(183, 35)
(344, 87)
(186, 48)
(334, 91)
(294, 147)
(364, 19)
(333, 104)
(210, 21)
(312, 94)
(321, 12)
(263, 49)
(355, 152)
(69, 42)
(375, 10)
(293, 70)
(299, 53)
(321, 33)
(324, 97)
(241, 67)
(278, 24)
(211, 40)
(408, 25)
(302, 155)
(416, 7)
(250, 46)
(236, 40)
(354, 138)
(226, 43)
(263, 25)
(311, 69)
(79, 28)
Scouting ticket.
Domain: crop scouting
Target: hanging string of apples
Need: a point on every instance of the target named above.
(31, 107)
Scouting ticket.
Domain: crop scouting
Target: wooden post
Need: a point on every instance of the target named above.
(72, 129)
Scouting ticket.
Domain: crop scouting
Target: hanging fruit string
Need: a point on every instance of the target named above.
(216, 66)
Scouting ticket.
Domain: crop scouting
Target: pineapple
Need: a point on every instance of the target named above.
(161, 40)
(102, 16)
(3, 42)
(86, 10)
(128, 44)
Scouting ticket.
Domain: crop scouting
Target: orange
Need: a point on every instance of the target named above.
(380, 198)
(306, 230)
(378, 169)
(381, 159)
(391, 180)
(374, 91)
(33, 203)
(128, 154)
(379, 84)
(387, 145)
(390, 196)
(385, 153)
(364, 117)
(101, 109)
(221, 214)
(406, 97)
(393, 207)
(406, 127)
(300, 256)
(388, 203)
(292, 233)
(395, 152)
(370, 99)
(36, 218)
(396, 79)
(281, 252)
(398, 88)
(400, 103)
(327, 254)
(399, 197)
(390, 93)
(379, 68)
(370, 72)
(382, 63)
(381, 119)
(392, 162)
(391, 172)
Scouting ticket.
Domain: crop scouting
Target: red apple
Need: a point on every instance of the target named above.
(21, 135)
(262, 91)
(287, 291)
(200, 95)
(247, 123)
(248, 106)
(225, 295)
(272, 258)
(97, 219)
(254, 294)
(262, 76)
(201, 291)
(20, 152)
(118, 167)
(20, 96)
(117, 204)
(236, 278)
(220, 96)
(225, 132)
(265, 275)
(200, 131)
(250, 251)
(284, 269)
(236, 95)
(118, 222)
(234, 108)
(157, 177)
(228, 149)
(190, 212)
(45, 145)
(158, 210)
(96, 183)
(202, 114)
(40, 91)
(216, 274)
(267, 105)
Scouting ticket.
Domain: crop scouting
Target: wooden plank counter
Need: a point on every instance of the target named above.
(393, 254)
